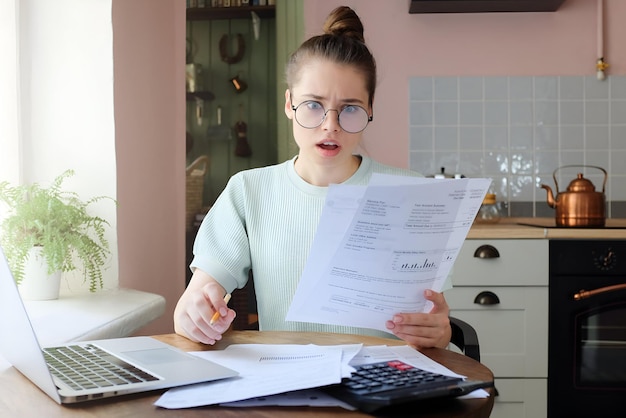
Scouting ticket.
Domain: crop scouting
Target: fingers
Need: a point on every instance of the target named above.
(439, 302)
(424, 329)
(206, 304)
(421, 330)
(196, 308)
(220, 310)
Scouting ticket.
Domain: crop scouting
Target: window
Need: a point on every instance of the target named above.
(57, 68)
(9, 157)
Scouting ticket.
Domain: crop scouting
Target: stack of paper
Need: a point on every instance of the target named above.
(268, 369)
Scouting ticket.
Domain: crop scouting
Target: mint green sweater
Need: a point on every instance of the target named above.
(265, 220)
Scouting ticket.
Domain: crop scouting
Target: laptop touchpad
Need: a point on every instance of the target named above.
(157, 356)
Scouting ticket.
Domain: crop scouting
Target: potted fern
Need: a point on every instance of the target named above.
(52, 228)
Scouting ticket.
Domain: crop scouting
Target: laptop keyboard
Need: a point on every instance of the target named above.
(89, 367)
(392, 375)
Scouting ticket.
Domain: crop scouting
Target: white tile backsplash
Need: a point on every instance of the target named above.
(518, 130)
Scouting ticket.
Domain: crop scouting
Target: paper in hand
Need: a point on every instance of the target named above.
(378, 247)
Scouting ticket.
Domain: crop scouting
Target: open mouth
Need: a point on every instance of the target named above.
(328, 145)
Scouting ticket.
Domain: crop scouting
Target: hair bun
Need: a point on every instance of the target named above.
(343, 21)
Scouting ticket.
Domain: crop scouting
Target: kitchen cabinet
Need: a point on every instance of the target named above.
(224, 44)
(262, 68)
(501, 288)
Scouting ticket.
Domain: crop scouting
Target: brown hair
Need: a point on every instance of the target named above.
(343, 43)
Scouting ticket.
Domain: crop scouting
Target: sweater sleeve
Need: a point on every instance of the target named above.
(221, 248)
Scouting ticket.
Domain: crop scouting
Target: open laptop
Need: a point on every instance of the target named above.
(138, 364)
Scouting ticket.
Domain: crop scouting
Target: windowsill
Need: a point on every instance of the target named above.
(100, 315)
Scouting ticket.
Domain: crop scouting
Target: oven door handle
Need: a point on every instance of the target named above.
(583, 294)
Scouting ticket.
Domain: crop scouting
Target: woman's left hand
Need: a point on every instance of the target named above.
(424, 330)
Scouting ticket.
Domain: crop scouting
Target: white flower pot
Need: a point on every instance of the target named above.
(37, 284)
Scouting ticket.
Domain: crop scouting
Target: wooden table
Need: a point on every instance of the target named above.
(20, 398)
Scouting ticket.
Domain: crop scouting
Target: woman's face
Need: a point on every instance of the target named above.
(334, 86)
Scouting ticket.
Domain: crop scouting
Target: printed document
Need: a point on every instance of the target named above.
(378, 247)
(265, 369)
(286, 374)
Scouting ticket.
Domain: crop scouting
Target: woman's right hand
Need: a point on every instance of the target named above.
(192, 316)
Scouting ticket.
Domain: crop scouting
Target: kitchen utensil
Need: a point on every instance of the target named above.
(256, 25)
(199, 110)
(218, 132)
(193, 77)
(242, 149)
(239, 84)
(581, 205)
(224, 48)
(488, 212)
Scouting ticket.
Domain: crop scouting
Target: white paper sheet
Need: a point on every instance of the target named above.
(377, 248)
(264, 369)
(370, 354)
(304, 397)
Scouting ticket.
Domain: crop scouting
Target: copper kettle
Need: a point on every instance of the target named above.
(580, 205)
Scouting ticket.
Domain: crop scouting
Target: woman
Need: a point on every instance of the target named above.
(266, 218)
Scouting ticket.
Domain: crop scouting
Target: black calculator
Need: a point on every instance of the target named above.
(378, 385)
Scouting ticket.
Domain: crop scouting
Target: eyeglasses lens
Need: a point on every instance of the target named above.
(352, 119)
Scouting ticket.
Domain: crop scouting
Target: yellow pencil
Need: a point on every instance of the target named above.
(216, 315)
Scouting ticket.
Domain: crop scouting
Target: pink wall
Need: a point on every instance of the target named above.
(149, 48)
(149, 71)
(407, 45)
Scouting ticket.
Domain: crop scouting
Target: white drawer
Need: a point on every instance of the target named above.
(513, 334)
(521, 398)
(521, 262)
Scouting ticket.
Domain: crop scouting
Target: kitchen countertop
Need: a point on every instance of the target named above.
(510, 228)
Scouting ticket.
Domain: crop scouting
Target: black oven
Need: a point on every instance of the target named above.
(587, 329)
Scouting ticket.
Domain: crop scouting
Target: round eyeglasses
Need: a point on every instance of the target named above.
(311, 114)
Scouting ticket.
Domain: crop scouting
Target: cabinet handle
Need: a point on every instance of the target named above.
(486, 298)
(486, 251)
